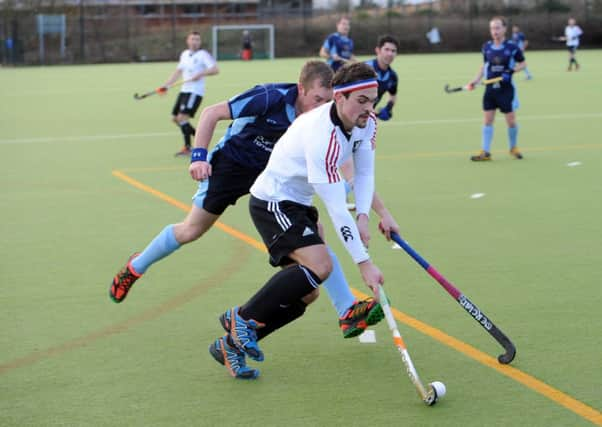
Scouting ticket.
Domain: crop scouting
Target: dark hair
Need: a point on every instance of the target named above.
(499, 18)
(193, 33)
(387, 39)
(353, 72)
(313, 70)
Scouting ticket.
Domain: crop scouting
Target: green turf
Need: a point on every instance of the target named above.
(528, 253)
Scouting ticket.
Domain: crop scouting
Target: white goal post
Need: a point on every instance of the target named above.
(227, 40)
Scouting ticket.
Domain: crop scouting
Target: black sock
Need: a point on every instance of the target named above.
(285, 288)
(284, 316)
(187, 131)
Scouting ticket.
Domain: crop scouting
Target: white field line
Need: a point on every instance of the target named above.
(85, 138)
(480, 119)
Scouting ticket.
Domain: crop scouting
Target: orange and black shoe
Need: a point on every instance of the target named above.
(515, 152)
(481, 157)
(359, 316)
(185, 151)
(123, 281)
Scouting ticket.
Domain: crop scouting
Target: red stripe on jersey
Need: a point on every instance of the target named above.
(335, 170)
(332, 156)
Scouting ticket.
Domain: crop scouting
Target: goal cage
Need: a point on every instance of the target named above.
(227, 41)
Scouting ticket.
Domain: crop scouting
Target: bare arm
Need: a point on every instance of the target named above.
(207, 122)
(173, 78)
(208, 72)
(201, 169)
(324, 53)
(478, 77)
(387, 223)
(520, 66)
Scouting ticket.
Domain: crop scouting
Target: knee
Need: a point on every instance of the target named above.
(311, 297)
(322, 268)
(187, 232)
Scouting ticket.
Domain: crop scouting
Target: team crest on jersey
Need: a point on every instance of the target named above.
(356, 144)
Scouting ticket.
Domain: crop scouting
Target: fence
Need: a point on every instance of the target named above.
(110, 31)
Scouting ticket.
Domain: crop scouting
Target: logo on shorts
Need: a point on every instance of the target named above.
(307, 232)
(346, 233)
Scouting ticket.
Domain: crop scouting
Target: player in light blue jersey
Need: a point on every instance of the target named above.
(501, 58)
(519, 38)
(338, 47)
(386, 50)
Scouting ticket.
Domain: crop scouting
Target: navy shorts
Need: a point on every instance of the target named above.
(284, 227)
(502, 98)
(572, 49)
(187, 103)
(229, 181)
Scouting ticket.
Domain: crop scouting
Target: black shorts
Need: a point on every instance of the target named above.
(572, 49)
(284, 227)
(502, 98)
(187, 103)
(229, 181)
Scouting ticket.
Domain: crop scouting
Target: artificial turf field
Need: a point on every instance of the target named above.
(73, 147)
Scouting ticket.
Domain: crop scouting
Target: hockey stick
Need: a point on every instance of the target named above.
(463, 300)
(158, 91)
(436, 389)
(449, 89)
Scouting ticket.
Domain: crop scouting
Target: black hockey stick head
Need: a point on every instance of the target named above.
(453, 89)
(507, 357)
(138, 96)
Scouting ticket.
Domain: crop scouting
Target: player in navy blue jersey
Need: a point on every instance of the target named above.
(338, 47)
(501, 58)
(519, 38)
(386, 50)
(260, 116)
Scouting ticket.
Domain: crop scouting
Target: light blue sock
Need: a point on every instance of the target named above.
(512, 136)
(337, 287)
(164, 244)
(487, 138)
(348, 187)
(527, 72)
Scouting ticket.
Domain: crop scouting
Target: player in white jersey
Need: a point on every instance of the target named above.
(194, 65)
(572, 32)
(304, 162)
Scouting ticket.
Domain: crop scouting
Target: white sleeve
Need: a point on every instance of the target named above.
(208, 60)
(181, 64)
(333, 196)
(363, 181)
